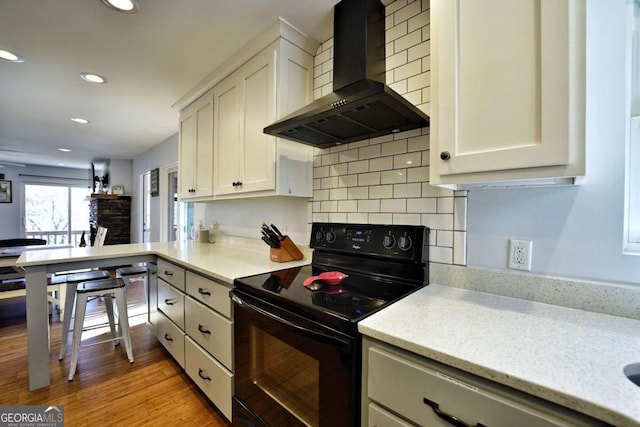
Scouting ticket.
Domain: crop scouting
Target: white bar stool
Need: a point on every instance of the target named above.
(136, 272)
(71, 281)
(107, 288)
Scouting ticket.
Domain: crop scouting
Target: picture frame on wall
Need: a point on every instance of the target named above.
(5, 191)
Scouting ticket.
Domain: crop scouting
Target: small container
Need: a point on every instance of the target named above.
(212, 231)
(204, 236)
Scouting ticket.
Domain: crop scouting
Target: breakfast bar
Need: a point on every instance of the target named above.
(223, 261)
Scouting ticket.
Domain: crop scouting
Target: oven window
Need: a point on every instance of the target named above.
(287, 375)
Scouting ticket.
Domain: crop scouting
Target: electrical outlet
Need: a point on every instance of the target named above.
(520, 254)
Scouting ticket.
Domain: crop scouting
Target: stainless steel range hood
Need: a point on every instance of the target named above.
(361, 106)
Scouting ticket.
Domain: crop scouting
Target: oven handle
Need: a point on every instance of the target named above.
(337, 341)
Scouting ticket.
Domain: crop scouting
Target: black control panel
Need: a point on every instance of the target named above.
(408, 242)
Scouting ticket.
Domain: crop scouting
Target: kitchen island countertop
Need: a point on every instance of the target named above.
(570, 357)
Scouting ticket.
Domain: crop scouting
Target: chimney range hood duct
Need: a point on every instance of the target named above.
(361, 106)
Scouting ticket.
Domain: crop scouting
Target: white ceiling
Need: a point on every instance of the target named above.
(151, 59)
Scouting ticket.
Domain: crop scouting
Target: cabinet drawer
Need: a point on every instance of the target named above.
(171, 273)
(378, 417)
(171, 303)
(402, 381)
(212, 378)
(212, 331)
(171, 337)
(209, 292)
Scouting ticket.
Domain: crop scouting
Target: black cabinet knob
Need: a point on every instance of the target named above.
(445, 155)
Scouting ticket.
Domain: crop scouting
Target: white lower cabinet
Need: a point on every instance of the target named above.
(400, 388)
(171, 337)
(211, 330)
(210, 376)
(196, 328)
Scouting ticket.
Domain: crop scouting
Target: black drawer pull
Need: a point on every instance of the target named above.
(200, 371)
(167, 337)
(168, 273)
(448, 418)
(203, 330)
(203, 292)
(169, 302)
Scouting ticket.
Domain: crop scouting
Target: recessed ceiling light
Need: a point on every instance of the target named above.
(93, 78)
(64, 150)
(79, 120)
(10, 56)
(126, 6)
(60, 164)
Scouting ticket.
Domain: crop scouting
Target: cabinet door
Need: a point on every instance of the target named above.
(505, 81)
(187, 150)
(204, 147)
(258, 163)
(227, 144)
(196, 149)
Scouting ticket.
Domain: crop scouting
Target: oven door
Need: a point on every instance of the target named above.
(290, 371)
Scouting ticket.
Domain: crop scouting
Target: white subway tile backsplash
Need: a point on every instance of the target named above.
(460, 247)
(419, 174)
(369, 152)
(381, 192)
(393, 176)
(372, 178)
(409, 219)
(330, 182)
(444, 238)
(369, 206)
(422, 205)
(407, 160)
(329, 206)
(405, 42)
(385, 180)
(347, 205)
(381, 163)
(348, 155)
(441, 255)
(360, 166)
(413, 189)
(395, 147)
(380, 218)
(358, 218)
(338, 194)
(358, 193)
(394, 205)
(445, 205)
(438, 221)
(347, 180)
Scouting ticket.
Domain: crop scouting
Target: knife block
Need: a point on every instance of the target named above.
(288, 251)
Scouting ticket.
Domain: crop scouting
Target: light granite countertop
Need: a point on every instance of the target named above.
(224, 260)
(572, 357)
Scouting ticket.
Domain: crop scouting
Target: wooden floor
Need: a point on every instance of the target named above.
(107, 390)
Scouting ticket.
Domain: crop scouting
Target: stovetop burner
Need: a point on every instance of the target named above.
(383, 264)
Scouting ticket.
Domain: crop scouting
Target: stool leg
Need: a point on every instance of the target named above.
(123, 316)
(70, 299)
(108, 303)
(81, 308)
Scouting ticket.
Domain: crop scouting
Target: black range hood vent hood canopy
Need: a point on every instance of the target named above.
(361, 105)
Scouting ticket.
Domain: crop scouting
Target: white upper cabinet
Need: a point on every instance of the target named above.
(267, 79)
(196, 149)
(508, 86)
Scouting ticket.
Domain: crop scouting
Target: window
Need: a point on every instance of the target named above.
(632, 186)
(57, 213)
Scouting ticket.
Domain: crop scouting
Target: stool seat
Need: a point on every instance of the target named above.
(58, 279)
(132, 271)
(99, 285)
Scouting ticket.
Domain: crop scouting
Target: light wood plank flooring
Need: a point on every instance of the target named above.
(107, 390)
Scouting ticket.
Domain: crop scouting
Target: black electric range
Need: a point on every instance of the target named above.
(383, 263)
